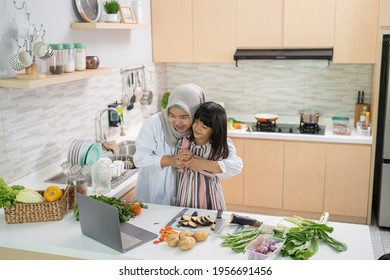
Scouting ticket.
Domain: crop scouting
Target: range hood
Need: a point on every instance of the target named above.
(324, 54)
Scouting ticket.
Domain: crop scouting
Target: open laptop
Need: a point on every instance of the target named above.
(100, 221)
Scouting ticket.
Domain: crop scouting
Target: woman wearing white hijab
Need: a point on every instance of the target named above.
(156, 143)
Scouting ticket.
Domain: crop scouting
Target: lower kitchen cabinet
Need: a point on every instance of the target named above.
(304, 176)
(301, 178)
(233, 187)
(347, 180)
(263, 173)
(129, 195)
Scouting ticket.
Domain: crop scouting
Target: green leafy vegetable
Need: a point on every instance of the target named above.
(164, 99)
(301, 242)
(8, 194)
(125, 214)
(239, 240)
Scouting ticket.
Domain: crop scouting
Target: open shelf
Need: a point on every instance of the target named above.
(105, 25)
(54, 79)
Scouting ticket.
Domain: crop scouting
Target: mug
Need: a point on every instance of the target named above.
(25, 58)
(121, 166)
(42, 50)
(15, 63)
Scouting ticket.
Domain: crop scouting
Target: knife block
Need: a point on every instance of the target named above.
(358, 109)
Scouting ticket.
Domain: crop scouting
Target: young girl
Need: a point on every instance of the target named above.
(198, 183)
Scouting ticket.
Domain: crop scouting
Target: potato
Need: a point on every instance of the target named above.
(185, 233)
(173, 240)
(200, 235)
(186, 243)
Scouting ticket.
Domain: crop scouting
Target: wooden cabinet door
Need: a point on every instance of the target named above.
(384, 13)
(172, 30)
(233, 188)
(347, 180)
(214, 30)
(356, 31)
(309, 23)
(263, 173)
(259, 23)
(304, 176)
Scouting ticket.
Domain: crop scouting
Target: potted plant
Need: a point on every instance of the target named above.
(111, 7)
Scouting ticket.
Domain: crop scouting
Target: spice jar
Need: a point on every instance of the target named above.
(69, 65)
(75, 184)
(80, 62)
(56, 61)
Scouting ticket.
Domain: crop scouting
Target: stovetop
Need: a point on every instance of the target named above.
(288, 128)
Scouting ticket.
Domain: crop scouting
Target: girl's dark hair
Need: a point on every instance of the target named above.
(214, 116)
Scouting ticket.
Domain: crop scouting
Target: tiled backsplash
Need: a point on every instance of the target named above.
(37, 125)
(282, 87)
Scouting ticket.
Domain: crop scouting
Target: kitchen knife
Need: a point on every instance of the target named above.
(219, 222)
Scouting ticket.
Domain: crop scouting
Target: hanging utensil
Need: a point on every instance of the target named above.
(147, 95)
(130, 82)
(138, 85)
(125, 98)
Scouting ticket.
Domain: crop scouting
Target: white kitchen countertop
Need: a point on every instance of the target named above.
(329, 137)
(64, 238)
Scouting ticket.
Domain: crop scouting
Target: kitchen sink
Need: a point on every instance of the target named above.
(126, 153)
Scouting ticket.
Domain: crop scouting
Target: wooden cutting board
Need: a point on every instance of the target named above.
(358, 109)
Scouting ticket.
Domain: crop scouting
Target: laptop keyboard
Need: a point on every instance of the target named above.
(128, 240)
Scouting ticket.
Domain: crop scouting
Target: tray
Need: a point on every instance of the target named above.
(228, 229)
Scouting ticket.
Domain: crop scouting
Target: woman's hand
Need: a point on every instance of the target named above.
(173, 161)
(185, 155)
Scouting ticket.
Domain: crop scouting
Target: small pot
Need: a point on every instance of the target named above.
(309, 117)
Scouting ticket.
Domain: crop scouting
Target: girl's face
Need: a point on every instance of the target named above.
(202, 133)
(179, 118)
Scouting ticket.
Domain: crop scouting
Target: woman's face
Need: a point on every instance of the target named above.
(179, 118)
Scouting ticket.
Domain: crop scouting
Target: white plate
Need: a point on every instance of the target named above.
(70, 149)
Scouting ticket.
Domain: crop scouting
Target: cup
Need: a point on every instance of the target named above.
(15, 63)
(42, 50)
(101, 179)
(25, 58)
(120, 165)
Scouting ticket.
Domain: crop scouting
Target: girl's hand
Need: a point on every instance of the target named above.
(185, 155)
(196, 163)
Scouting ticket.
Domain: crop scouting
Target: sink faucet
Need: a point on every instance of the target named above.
(100, 135)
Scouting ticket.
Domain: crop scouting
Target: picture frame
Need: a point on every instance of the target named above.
(127, 14)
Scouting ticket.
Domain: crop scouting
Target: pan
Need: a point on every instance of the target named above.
(265, 117)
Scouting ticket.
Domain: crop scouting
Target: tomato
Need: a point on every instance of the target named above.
(136, 208)
(52, 193)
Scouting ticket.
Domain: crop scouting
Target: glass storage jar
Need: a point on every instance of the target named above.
(80, 61)
(56, 61)
(75, 184)
(69, 65)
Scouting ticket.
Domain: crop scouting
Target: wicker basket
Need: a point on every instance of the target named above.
(37, 212)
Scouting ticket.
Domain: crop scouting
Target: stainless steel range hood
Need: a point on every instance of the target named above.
(242, 54)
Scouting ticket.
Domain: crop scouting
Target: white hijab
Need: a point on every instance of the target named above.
(188, 97)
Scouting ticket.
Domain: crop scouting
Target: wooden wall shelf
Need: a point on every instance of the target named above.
(105, 25)
(54, 79)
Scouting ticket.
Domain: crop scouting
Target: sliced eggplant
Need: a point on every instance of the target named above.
(192, 224)
(194, 214)
(186, 217)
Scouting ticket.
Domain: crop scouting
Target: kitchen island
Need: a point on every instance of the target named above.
(64, 239)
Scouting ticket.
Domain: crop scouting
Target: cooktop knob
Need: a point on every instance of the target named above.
(290, 130)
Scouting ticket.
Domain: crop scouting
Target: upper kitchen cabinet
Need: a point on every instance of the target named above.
(384, 13)
(355, 31)
(309, 23)
(259, 23)
(172, 35)
(214, 27)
